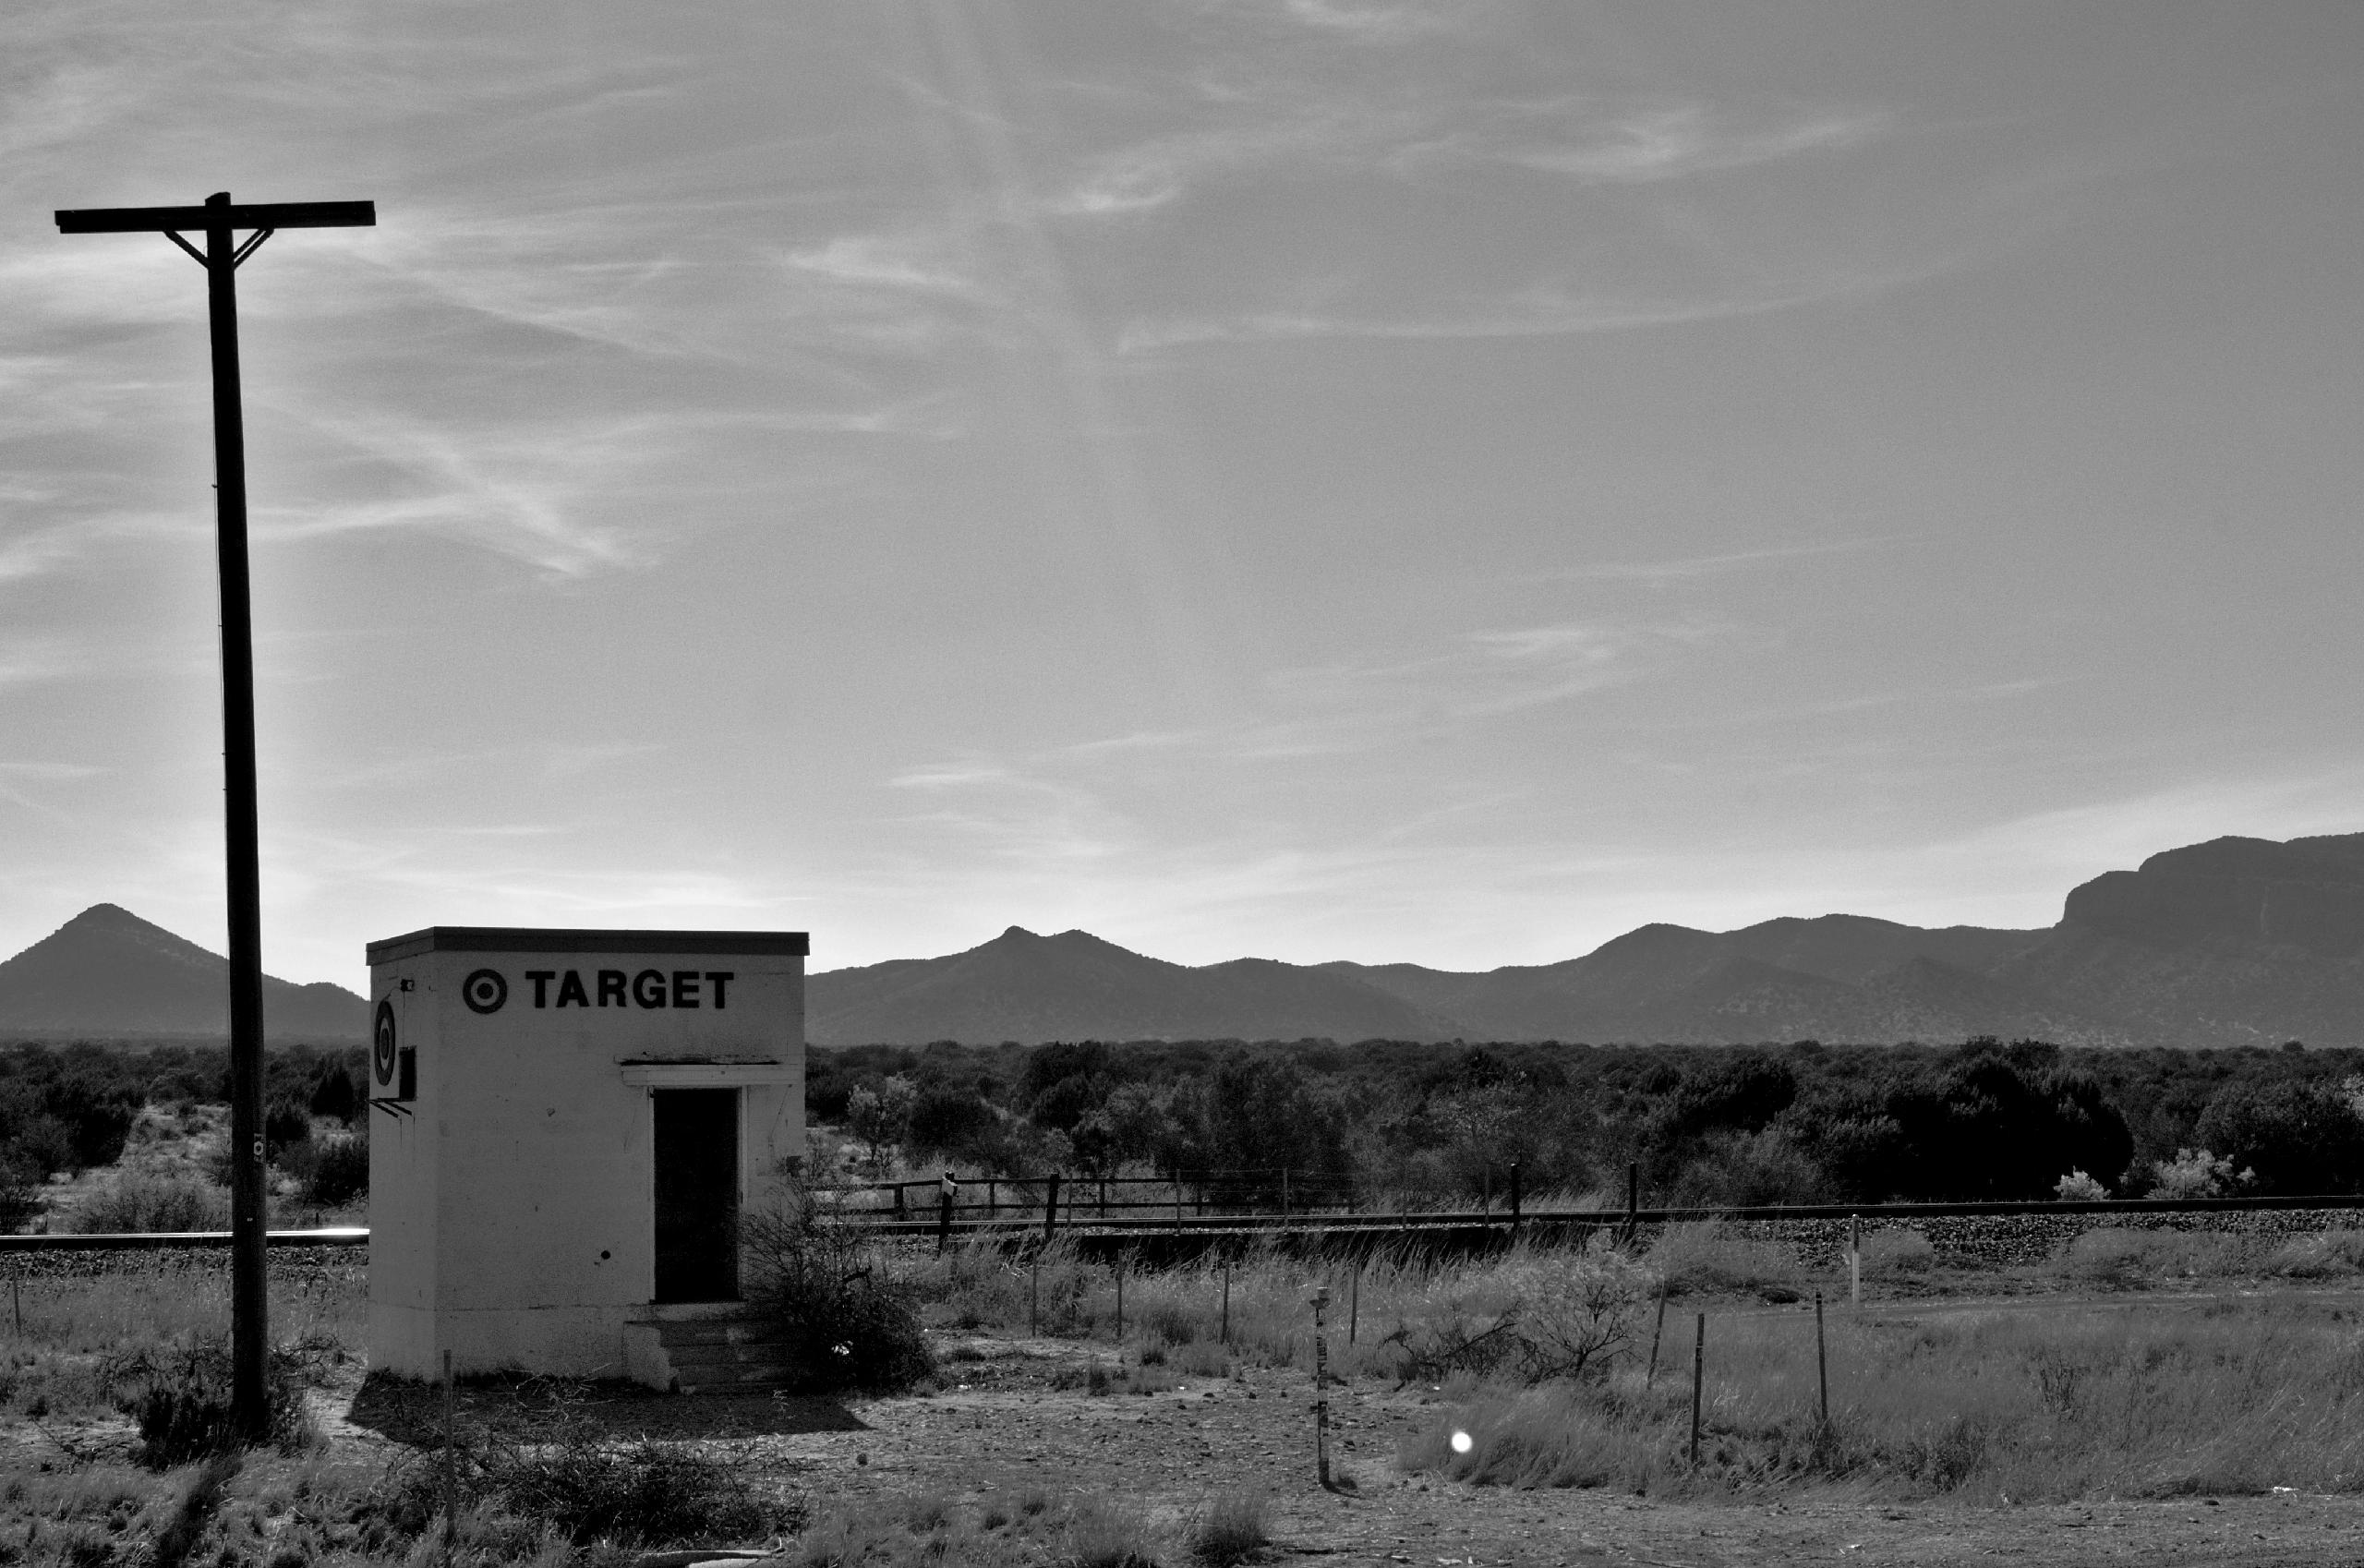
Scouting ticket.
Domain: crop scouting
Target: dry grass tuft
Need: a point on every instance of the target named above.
(1229, 1528)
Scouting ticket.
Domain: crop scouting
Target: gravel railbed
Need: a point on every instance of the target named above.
(1990, 1241)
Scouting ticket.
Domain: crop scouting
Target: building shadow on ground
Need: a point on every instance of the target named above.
(529, 1409)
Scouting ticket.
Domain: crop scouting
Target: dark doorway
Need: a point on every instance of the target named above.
(698, 1194)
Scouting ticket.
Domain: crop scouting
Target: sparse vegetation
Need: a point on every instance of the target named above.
(2156, 1401)
(1229, 1528)
(847, 1323)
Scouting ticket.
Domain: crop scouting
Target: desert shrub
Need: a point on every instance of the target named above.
(21, 1190)
(332, 1171)
(286, 1123)
(2195, 1173)
(178, 1394)
(1102, 1535)
(1229, 1528)
(335, 1095)
(1888, 1254)
(644, 1493)
(1575, 1313)
(953, 1121)
(1544, 1317)
(571, 1483)
(2079, 1187)
(135, 1203)
(1708, 1257)
(2325, 1255)
(1748, 1170)
(1994, 1122)
(846, 1325)
(2298, 1136)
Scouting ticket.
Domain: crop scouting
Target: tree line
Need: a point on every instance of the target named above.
(1802, 1122)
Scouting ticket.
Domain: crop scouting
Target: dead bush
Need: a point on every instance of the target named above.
(846, 1325)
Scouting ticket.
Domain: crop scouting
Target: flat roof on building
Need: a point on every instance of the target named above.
(567, 939)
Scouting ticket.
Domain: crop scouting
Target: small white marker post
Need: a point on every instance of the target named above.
(1320, 1388)
(1856, 1261)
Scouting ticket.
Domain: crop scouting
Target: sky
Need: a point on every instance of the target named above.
(1302, 479)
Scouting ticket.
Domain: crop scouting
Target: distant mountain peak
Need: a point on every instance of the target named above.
(107, 973)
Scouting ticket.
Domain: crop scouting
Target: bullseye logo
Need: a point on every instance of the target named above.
(484, 991)
(381, 1052)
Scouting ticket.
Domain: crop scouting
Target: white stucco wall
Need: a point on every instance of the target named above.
(512, 1212)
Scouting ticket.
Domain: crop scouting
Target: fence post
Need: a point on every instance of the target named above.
(899, 1215)
(1698, 1373)
(1104, 1198)
(1355, 1301)
(1821, 1361)
(944, 1222)
(1226, 1302)
(1050, 1206)
(1320, 1388)
(1515, 1198)
(1856, 1262)
(993, 1197)
(1118, 1268)
(1633, 1201)
(1035, 1298)
(1657, 1335)
(1285, 1192)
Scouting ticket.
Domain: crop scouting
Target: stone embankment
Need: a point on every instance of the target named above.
(1999, 1241)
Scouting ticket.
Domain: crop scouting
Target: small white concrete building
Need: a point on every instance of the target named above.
(564, 1128)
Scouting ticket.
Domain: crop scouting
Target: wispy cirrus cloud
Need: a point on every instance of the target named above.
(1544, 311)
(1640, 145)
(1594, 140)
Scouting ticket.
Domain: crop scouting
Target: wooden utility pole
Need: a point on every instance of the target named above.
(219, 221)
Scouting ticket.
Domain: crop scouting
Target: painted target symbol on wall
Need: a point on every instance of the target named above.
(382, 1049)
(484, 991)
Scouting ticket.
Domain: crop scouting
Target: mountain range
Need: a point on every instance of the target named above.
(2236, 941)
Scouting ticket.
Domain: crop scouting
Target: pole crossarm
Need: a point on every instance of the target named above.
(248, 216)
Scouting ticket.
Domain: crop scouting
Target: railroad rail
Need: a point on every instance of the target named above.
(1472, 1224)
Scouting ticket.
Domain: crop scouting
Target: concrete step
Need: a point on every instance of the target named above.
(718, 1331)
(724, 1353)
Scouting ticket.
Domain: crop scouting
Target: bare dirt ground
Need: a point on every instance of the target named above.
(1008, 1430)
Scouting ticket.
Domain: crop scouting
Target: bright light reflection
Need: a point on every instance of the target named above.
(1461, 1442)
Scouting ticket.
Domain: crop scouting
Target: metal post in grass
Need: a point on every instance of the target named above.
(1320, 1388)
(1821, 1361)
(1050, 1206)
(1355, 1301)
(1118, 1270)
(1226, 1304)
(1657, 1335)
(1515, 1198)
(1699, 1376)
(1035, 1298)
(944, 1219)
